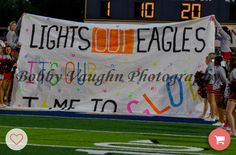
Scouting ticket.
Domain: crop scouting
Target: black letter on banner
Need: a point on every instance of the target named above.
(71, 103)
(163, 39)
(82, 38)
(200, 39)
(57, 104)
(111, 101)
(174, 41)
(185, 39)
(32, 37)
(96, 103)
(42, 36)
(140, 39)
(155, 36)
(30, 99)
(60, 35)
(73, 35)
(52, 41)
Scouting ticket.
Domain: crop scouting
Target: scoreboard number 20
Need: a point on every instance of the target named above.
(191, 10)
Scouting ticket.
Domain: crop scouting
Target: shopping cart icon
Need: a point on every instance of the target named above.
(220, 140)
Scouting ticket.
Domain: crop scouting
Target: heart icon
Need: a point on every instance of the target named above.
(16, 138)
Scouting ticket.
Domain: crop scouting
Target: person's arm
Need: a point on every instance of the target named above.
(10, 39)
(209, 74)
(223, 37)
(233, 75)
(220, 32)
(223, 75)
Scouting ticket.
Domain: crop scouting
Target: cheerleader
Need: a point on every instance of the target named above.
(209, 79)
(219, 88)
(2, 52)
(8, 75)
(230, 109)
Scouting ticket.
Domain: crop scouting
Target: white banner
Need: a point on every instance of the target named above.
(111, 68)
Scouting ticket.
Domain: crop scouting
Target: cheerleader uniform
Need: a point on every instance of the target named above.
(219, 86)
(209, 77)
(8, 75)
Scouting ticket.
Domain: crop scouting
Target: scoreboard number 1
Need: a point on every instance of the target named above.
(108, 8)
(105, 8)
(191, 10)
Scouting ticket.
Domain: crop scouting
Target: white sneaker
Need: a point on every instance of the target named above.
(211, 119)
(218, 124)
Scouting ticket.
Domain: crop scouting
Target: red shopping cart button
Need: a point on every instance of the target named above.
(219, 139)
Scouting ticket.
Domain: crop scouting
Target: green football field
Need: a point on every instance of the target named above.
(75, 136)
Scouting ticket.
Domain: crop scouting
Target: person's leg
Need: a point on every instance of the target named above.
(8, 91)
(234, 115)
(221, 115)
(226, 123)
(5, 87)
(219, 103)
(1, 92)
(211, 108)
(216, 107)
(229, 110)
(205, 108)
(211, 100)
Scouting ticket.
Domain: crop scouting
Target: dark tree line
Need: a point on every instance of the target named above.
(65, 9)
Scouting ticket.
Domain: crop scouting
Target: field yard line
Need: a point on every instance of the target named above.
(104, 131)
(20, 115)
(95, 148)
(45, 145)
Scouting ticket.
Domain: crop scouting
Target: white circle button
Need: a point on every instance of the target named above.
(16, 139)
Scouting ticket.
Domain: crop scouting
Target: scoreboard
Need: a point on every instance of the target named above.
(159, 10)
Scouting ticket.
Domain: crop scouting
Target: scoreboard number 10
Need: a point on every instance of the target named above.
(191, 10)
(147, 10)
(144, 10)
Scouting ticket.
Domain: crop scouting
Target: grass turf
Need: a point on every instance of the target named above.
(61, 136)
